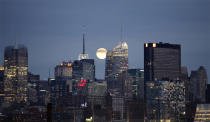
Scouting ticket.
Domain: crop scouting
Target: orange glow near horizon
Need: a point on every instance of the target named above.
(69, 64)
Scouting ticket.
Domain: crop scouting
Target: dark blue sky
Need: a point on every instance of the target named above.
(52, 30)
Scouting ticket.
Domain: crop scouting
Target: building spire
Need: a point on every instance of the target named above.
(83, 55)
(49, 73)
(83, 27)
(121, 32)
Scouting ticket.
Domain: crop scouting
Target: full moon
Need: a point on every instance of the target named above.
(101, 53)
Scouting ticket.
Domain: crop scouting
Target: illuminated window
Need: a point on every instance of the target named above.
(146, 45)
(154, 45)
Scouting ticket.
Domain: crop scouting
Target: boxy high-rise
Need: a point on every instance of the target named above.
(162, 61)
(15, 74)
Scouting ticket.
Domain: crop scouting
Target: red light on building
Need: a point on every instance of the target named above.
(82, 84)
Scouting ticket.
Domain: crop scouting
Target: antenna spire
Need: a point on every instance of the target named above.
(121, 32)
(83, 55)
(49, 73)
(83, 52)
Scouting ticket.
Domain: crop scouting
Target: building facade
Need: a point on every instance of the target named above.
(131, 84)
(64, 70)
(33, 88)
(162, 60)
(165, 100)
(116, 63)
(83, 73)
(202, 113)
(15, 74)
(162, 64)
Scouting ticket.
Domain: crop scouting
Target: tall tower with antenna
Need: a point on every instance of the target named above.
(83, 55)
(116, 63)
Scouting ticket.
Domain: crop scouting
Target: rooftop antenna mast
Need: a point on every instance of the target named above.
(121, 32)
(49, 73)
(83, 35)
(83, 55)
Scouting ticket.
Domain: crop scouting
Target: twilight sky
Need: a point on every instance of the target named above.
(52, 29)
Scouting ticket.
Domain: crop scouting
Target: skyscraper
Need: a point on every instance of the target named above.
(165, 100)
(162, 60)
(208, 94)
(136, 78)
(198, 85)
(83, 70)
(116, 63)
(15, 73)
(1, 83)
(63, 77)
(33, 88)
(64, 70)
(131, 84)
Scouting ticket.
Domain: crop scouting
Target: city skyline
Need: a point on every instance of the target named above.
(50, 40)
(104, 61)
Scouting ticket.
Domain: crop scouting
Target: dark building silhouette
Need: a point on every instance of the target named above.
(131, 84)
(162, 68)
(33, 77)
(16, 73)
(33, 88)
(208, 94)
(190, 106)
(162, 60)
(136, 77)
(135, 111)
(58, 88)
(198, 85)
(1, 83)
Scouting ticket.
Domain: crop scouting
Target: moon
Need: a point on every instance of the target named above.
(101, 53)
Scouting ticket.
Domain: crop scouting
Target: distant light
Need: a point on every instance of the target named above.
(69, 64)
(146, 45)
(89, 119)
(154, 45)
(1, 68)
(61, 64)
(84, 105)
